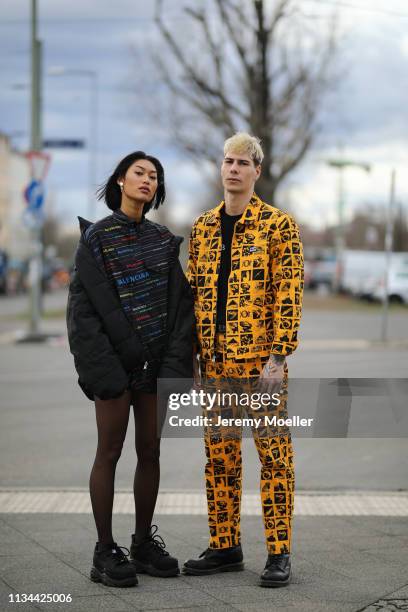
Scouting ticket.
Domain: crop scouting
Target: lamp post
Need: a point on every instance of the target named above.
(34, 191)
(92, 75)
(35, 266)
(341, 165)
(388, 252)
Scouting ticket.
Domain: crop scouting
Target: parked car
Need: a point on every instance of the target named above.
(364, 275)
(320, 271)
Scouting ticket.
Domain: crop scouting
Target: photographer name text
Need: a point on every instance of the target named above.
(265, 421)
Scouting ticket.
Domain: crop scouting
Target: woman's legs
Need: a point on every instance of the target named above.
(147, 475)
(148, 550)
(112, 417)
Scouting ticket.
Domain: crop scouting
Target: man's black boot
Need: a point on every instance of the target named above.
(149, 556)
(112, 567)
(214, 560)
(277, 571)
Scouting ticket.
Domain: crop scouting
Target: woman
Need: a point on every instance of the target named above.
(130, 319)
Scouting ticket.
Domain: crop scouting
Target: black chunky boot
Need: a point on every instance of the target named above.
(149, 556)
(277, 571)
(214, 560)
(111, 566)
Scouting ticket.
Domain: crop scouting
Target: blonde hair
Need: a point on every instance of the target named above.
(241, 142)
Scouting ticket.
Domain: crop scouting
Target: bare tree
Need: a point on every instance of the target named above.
(256, 65)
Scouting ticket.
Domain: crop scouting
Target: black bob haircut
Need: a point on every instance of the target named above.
(110, 192)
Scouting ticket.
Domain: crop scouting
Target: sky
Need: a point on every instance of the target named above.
(363, 120)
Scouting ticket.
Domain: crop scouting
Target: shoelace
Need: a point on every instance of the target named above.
(157, 541)
(120, 556)
(275, 560)
(203, 553)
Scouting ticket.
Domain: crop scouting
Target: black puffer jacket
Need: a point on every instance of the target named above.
(106, 345)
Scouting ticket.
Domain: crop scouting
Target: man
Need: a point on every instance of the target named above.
(246, 273)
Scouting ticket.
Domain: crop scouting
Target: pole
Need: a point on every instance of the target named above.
(388, 251)
(35, 81)
(340, 239)
(35, 268)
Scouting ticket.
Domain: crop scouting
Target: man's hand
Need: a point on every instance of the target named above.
(272, 374)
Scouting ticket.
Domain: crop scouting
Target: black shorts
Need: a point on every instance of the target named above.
(145, 378)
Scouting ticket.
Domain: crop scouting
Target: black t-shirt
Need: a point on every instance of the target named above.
(227, 231)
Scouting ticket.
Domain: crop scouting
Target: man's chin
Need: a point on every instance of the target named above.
(234, 188)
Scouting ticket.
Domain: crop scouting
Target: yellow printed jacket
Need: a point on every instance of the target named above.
(265, 286)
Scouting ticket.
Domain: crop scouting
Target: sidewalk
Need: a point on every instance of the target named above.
(340, 563)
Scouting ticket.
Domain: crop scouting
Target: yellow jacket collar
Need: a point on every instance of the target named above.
(250, 213)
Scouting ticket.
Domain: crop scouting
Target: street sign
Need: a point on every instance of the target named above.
(34, 195)
(62, 143)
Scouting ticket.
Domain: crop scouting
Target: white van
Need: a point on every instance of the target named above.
(364, 275)
(397, 281)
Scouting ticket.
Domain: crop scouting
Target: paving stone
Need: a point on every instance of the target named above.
(387, 605)
(152, 584)
(215, 608)
(57, 582)
(9, 535)
(175, 598)
(301, 605)
(256, 595)
(403, 592)
(217, 582)
(91, 603)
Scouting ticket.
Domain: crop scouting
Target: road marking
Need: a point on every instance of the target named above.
(194, 503)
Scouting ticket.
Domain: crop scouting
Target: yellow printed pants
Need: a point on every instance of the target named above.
(223, 470)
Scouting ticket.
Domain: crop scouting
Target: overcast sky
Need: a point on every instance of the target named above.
(367, 115)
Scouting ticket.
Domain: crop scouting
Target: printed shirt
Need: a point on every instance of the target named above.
(136, 258)
(265, 285)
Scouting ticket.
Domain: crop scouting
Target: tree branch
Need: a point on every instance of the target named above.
(201, 84)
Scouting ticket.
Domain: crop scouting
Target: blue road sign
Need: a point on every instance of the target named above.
(34, 195)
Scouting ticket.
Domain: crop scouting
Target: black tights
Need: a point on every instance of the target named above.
(112, 417)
